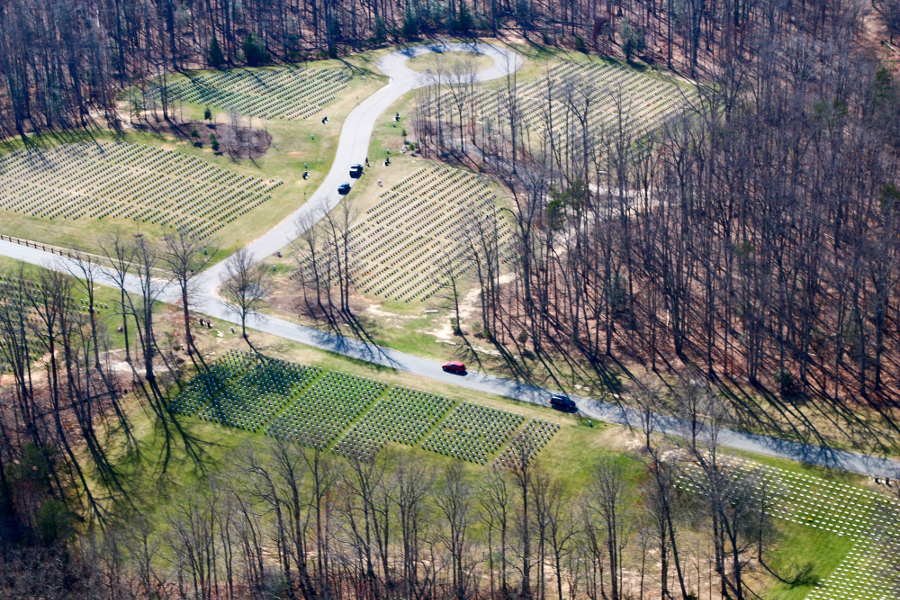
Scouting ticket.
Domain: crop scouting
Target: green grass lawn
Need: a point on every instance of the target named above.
(449, 62)
(567, 453)
(292, 147)
(807, 550)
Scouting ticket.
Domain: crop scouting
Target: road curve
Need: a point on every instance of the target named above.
(352, 147)
(353, 144)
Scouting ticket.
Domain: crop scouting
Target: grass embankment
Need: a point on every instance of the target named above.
(801, 548)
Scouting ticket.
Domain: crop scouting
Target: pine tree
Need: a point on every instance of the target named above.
(216, 56)
(464, 19)
(254, 51)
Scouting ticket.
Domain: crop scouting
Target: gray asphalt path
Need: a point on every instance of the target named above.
(354, 142)
(353, 145)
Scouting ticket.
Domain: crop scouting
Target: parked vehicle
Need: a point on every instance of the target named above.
(454, 367)
(356, 171)
(344, 189)
(563, 403)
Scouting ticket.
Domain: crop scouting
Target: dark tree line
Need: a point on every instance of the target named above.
(754, 236)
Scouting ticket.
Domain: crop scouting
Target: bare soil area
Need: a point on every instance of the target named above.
(237, 142)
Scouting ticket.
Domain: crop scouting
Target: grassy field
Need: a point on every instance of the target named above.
(564, 452)
(802, 546)
(451, 61)
(292, 147)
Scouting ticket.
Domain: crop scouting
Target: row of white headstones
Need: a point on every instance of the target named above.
(843, 509)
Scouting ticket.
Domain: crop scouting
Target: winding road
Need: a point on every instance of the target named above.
(352, 148)
(353, 144)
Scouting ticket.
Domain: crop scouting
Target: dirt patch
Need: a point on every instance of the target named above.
(375, 310)
(468, 305)
(238, 142)
(294, 303)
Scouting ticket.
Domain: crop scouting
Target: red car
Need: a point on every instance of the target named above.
(454, 367)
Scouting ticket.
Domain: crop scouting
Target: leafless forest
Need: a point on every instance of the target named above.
(753, 238)
(64, 62)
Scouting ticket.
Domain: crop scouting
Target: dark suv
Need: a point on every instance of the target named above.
(344, 189)
(563, 403)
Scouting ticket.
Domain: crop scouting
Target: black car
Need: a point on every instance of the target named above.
(356, 171)
(563, 403)
(344, 189)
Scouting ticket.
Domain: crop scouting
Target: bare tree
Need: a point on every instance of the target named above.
(414, 484)
(561, 533)
(186, 256)
(664, 514)
(86, 271)
(455, 499)
(262, 484)
(523, 472)
(307, 252)
(610, 493)
(363, 482)
(121, 254)
(289, 468)
(498, 510)
(193, 541)
(337, 225)
(246, 285)
(647, 395)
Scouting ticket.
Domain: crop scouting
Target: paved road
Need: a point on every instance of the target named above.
(213, 307)
(354, 141)
(353, 145)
